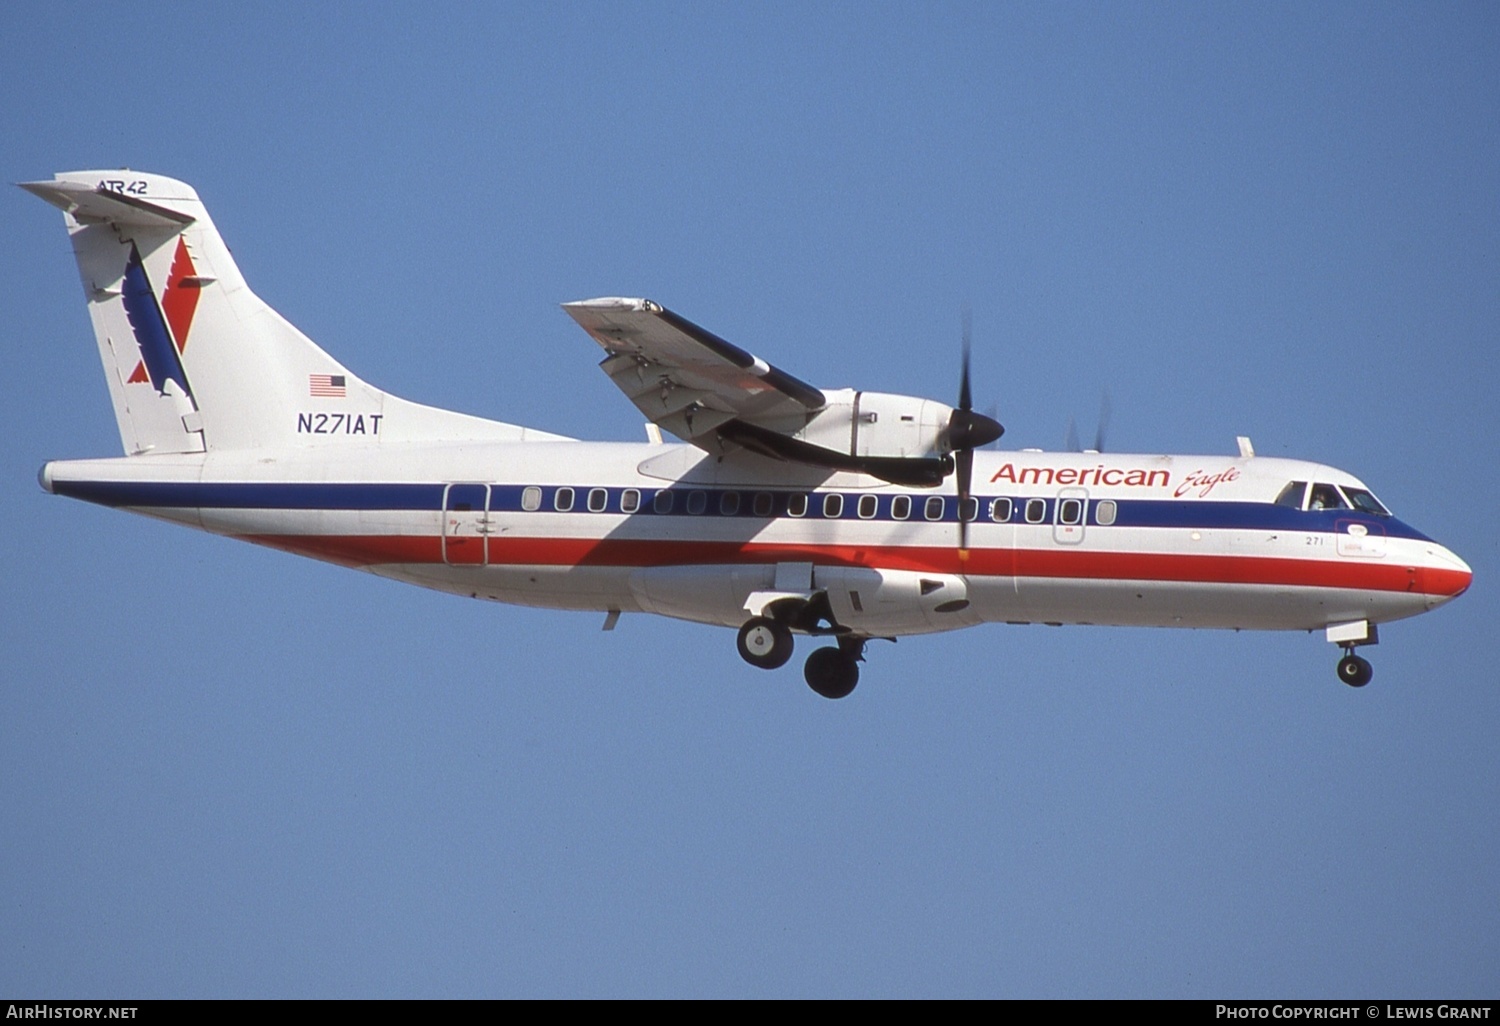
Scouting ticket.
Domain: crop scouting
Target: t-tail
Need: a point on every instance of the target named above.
(195, 361)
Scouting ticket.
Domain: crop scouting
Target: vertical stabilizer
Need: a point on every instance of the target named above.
(194, 359)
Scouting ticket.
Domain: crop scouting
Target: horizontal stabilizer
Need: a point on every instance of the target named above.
(94, 203)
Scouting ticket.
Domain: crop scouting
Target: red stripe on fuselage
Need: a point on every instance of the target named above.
(374, 550)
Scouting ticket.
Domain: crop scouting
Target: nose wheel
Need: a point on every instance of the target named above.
(1354, 670)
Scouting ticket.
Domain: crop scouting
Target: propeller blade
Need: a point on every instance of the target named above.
(1071, 442)
(966, 432)
(1104, 411)
(964, 467)
(965, 395)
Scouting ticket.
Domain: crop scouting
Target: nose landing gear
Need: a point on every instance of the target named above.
(1354, 670)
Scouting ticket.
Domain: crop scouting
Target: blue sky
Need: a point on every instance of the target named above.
(225, 771)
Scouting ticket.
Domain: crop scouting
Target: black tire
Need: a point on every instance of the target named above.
(764, 643)
(831, 673)
(1355, 671)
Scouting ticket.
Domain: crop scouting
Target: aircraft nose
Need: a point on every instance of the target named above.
(1446, 577)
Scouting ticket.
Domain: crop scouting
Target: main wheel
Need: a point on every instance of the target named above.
(765, 643)
(831, 673)
(1354, 671)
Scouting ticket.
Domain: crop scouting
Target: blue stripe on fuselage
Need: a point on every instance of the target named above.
(1196, 513)
(254, 495)
(1256, 516)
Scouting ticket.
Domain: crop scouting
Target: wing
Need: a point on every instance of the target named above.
(687, 379)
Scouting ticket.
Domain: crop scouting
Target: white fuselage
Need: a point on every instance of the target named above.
(1177, 541)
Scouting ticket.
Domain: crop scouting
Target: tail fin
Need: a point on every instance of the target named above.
(195, 360)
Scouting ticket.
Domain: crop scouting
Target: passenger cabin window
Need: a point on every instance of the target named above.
(867, 506)
(1036, 510)
(1292, 495)
(901, 507)
(764, 503)
(1325, 496)
(1070, 511)
(970, 510)
(729, 503)
(833, 505)
(796, 505)
(598, 499)
(531, 498)
(697, 502)
(1105, 512)
(934, 508)
(1001, 510)
(663, 501)
(630, 500)
(562, 501)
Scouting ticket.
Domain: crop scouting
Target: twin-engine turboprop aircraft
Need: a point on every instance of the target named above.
(792, 510)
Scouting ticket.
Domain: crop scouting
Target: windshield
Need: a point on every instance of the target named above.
(1326, 496)
(1365, 502)
(1292, 495)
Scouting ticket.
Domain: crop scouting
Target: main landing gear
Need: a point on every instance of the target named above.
(765, 643)
(831, 672)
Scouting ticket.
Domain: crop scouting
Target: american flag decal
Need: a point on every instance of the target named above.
(331, 385)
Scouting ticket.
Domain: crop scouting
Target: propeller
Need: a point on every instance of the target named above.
(1072, 444)
(1104, 411)
(966, 432)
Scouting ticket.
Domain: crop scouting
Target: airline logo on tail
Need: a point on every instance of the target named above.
(161, 330)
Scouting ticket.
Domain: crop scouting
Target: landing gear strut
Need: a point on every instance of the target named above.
(833, 672)
(1354, 670)
(765, 643)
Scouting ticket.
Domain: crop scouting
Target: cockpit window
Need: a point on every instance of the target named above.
(1326, 496)
(1365, 502)
(1292, 495)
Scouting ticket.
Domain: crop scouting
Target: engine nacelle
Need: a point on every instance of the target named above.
(878, 424)
(877, 601)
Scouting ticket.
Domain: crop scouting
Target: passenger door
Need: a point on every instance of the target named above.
(466, 524)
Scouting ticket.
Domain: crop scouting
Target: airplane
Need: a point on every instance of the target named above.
(785, 510)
